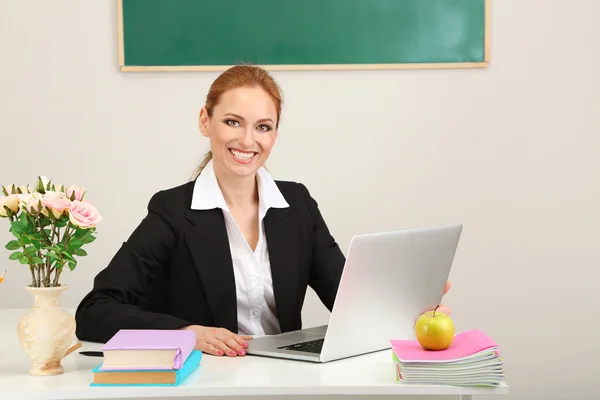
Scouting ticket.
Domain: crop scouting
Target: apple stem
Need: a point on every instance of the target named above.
(435, 310)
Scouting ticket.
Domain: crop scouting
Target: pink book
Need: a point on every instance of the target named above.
(147, 349)
(465, 345)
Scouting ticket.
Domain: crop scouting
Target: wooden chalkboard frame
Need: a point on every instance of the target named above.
(303, 67)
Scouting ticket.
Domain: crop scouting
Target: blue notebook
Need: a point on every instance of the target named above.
(173, 377)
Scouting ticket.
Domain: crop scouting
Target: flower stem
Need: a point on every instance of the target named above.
(43, 232)
(48, 270)
(66, 234)
(56, 276)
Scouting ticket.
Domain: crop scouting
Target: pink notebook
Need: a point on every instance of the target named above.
(140, 349)
(465, 344)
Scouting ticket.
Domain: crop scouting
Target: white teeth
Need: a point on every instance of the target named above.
(242, 156)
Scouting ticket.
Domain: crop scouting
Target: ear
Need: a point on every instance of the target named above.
(203, 120)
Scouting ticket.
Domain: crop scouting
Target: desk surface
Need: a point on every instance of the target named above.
(371, 374)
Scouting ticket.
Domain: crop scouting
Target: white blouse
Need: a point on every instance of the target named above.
(252, 269)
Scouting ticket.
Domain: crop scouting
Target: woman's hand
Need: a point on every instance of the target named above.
(219, 341)
(442, 308)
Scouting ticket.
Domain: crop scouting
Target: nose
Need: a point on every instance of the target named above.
(247, 140)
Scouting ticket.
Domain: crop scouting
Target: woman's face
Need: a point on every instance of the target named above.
(242, 130)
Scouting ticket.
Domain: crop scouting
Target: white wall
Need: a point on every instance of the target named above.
(511, 151)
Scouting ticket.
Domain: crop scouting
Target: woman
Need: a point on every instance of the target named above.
(230, 254)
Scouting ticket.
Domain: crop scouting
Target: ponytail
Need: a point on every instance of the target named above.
(205, 160)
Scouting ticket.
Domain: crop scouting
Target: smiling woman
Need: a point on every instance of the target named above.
(229, 254)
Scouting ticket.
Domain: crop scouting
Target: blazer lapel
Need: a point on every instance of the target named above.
(281, 238)
(209, 246)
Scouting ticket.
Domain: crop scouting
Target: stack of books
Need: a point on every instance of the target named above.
(147, 357)
(473, 359)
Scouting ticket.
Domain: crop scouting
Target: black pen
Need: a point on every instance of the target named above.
(92, 353)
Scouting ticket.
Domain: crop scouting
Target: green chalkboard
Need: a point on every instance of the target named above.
(302, 34)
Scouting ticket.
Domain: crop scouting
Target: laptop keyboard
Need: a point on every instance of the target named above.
(313, 346)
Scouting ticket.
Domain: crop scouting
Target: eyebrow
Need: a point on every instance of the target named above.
(243, 119)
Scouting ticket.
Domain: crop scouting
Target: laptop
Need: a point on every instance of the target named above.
(389, 279)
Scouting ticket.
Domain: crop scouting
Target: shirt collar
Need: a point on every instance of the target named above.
(207, 193)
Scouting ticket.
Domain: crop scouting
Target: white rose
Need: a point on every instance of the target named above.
(54, 194)
(45, 181)
(11, 201)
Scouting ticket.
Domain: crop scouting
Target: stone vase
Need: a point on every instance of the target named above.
(46, 331)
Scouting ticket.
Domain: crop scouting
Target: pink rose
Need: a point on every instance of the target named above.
(31, 202)
(83, 214)
(10, 201)
(10, 189)
(56, 202)
(78, 191)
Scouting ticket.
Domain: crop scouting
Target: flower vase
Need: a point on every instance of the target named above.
(46, 331)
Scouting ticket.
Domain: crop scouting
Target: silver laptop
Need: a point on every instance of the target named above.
(389, 279)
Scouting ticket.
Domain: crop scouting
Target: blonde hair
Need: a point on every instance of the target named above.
(236, 77)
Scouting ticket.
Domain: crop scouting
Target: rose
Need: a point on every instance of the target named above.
(10, 189)
(56, 202)
(24, 189)
(54, 194)
(30, 202)
(10, 201)
(75, 192)
(42, 183)
(83, 214)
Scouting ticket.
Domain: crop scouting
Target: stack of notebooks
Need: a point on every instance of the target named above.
(472, 359)
(147, 357)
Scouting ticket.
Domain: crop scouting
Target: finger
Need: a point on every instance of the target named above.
(209, 349)
(447, 287)
(444, 309)
(245, 337)
(234, 345)
(223, 335)
(223, 347)
(241, 340)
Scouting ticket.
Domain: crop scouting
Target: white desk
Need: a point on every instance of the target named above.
(371, 374)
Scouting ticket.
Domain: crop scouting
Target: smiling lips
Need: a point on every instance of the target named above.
(242, 157)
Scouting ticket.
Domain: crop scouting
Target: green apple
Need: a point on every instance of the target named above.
(434, 330)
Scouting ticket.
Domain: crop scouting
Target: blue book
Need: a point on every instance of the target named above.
(155, 377)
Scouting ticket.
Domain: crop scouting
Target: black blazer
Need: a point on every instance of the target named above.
(176, 269)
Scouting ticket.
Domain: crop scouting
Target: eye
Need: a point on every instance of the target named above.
(232, 123)
(264, 128)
